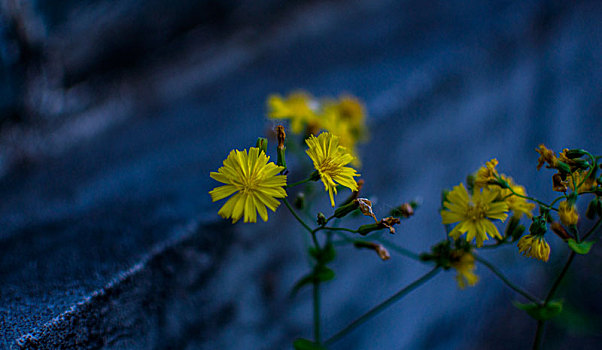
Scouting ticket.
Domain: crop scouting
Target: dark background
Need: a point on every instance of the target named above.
(112, 115)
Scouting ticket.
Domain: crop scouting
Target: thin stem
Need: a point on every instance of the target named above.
(290, 208)
(334, 229)
(316, 295)
(559, 278)
(593, 229)
(530, 198)
(538, 335)
(380, 307)
(512, 286)
(299, 182)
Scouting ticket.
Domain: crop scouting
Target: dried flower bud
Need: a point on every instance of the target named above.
(281, 136)
(406, 210)
(366, 207)
(382, 252)
(388, 222)
(558, 184)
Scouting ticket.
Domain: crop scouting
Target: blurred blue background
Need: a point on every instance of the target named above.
(112, 115)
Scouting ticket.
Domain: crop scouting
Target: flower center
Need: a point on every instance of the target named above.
(327, 167)
(476, 211)
(249, 184)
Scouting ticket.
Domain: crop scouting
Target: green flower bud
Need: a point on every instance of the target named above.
(321, 219)
(590, 212)
(346, 209)
(575, 153)
(300, 201)
(562, 167)
(365, 229)
(262, 144)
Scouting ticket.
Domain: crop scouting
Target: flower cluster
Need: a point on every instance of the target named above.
(344, 117)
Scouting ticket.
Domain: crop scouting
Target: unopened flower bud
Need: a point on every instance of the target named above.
(281, 149)
(300, 201)
(562, 167)
(575, 153)
(592, 207)
(559, 230)
(321, 219)
(366, 207)
(262, 144)
(346, 209)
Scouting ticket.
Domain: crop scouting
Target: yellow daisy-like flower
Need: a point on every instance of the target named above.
(567, 213)
(474, 214)
(345, 118)
(329, 160)
(464, 264)
(487, 174)
(534, 246)
(516, 204)
(254, 180)
(297, 106)
(579, 177)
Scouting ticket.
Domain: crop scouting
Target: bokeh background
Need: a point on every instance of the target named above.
(112, 115)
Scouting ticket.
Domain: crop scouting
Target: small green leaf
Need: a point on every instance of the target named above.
(305, 280)
(323, 273)
(539, 312)
(580, 248)
(304, 344)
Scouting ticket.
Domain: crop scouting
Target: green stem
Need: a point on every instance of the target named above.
(538, 335)
(532, 199)
(316, 295)
(382, 306)
(335, 229)
(299, 182)
(290, 208)
(512, 286)
(560, 277)
(593, 229)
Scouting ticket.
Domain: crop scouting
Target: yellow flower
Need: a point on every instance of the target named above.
(474, 214)
(579, 177)
(346, 119)
(516, 204)
(255, 182)
(329, 160)
(567, 213)
(297, 106)
(534, 246)
(486, 174)
(464, 264)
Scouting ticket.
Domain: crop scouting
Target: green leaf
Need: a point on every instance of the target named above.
(580, 248)
(323, 273)
(540, 312)
(305, 280)
(304, 344)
